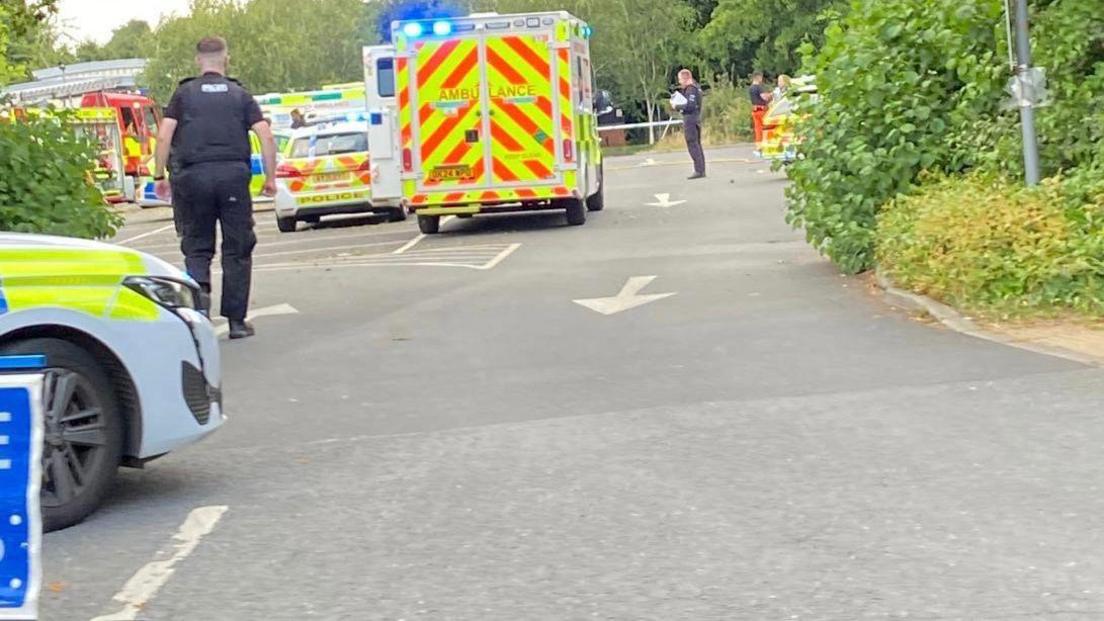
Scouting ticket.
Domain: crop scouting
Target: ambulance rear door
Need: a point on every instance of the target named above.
(384, 151)
(523, 82)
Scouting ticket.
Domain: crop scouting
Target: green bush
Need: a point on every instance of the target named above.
(726, 115)
(902, 85)
(991, 246)
(45, 185)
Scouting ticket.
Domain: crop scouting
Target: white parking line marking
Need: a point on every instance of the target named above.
(410, 244)
(483, 257)
(144, 585)
(321, 249)
(145, 235)
(265, 311)
(414, 242)
(298, 239)
(501, 257)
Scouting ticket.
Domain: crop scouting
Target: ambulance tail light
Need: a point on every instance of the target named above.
(408, 160)
(287, 171)
(568, 150)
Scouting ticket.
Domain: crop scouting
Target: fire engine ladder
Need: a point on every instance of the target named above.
(66, 82)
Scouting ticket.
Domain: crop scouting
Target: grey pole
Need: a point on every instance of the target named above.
(1027, 103)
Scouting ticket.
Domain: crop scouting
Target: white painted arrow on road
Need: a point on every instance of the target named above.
(267, 311)
(664, 200)
(648, 162)
(629, 297)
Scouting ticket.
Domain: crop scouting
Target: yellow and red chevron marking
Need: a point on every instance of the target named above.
(566, 124)
(523, 127)
(448, 86)
(510, 195)
(354, 166)
(402, 88)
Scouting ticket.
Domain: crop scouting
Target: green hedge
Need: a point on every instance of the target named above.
(903, 86)
(912, 87)
(992, 246)
(44, 182)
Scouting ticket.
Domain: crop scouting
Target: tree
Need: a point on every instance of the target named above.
(748, 35)
(274, 45)
(28, 35)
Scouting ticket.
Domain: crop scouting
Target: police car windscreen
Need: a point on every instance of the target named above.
(331, 144)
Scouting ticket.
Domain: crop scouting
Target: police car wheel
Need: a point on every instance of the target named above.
(429, 225)
(286, 225)
(83, 431)
(576, 211)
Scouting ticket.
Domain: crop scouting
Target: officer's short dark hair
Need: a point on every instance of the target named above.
(211, 45)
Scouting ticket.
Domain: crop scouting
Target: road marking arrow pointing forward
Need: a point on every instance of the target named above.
(664, 200)
(628, 298)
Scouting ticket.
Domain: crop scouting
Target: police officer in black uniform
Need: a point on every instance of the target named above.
(691, 120)
(206, 126)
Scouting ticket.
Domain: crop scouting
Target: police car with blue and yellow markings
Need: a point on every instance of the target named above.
(130, 358)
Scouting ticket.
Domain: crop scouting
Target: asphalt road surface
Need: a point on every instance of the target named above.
(433, 428)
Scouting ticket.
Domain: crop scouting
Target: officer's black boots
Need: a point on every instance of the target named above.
(241, 329)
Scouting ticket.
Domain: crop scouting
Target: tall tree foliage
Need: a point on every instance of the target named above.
(28, 35)
(134, 39)
(747, 35)
(274, 45)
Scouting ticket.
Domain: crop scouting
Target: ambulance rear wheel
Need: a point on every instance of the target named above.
(429, 225)
(576, 211)
(396, 215)
(286, 225)
(597, 201)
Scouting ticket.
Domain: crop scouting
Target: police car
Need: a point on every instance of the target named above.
(325, 170)
(132, 362)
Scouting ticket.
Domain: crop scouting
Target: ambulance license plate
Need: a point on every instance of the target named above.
(444, 173)
(330, 177)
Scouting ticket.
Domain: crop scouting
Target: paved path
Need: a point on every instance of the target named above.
(451, 436)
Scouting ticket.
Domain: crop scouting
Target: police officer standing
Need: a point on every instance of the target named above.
(206, 126)
(691, 120)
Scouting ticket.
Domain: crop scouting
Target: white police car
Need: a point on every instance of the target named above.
(131, 361)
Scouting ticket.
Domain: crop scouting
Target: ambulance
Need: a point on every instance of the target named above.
(332, 99)
(780, 141)
(483, 114)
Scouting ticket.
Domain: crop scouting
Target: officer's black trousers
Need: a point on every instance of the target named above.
(692, 129)
(218, 192)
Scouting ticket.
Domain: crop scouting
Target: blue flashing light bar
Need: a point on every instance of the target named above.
(442, 29)
(413, 29)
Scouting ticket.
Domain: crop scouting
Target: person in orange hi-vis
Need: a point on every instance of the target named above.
(760, 99)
